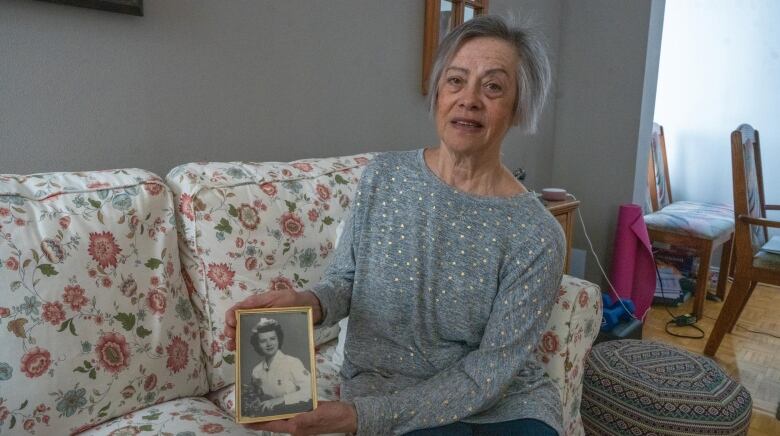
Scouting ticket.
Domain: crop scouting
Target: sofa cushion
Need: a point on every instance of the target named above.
(94, 318)
(250, 227)
(183, 417)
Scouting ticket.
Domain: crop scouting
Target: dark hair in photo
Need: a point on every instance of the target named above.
(262, 327)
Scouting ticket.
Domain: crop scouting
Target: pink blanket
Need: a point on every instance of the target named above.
(633, 266)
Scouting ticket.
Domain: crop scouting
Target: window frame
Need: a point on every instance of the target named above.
(431, 33)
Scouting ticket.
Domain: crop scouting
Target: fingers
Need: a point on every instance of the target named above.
(281, 426)
(320, 420)
(251, 302)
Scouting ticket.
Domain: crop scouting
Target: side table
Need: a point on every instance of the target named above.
(564, 211)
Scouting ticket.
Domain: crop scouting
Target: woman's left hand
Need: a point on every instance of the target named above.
(328, 417)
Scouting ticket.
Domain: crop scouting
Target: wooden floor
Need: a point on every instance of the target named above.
(752, 358)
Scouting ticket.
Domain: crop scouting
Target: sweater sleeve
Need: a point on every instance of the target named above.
(334, 290)
(519, 313)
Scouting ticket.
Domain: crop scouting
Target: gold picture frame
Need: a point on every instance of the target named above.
(274, 388)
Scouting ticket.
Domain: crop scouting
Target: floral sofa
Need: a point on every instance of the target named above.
(114, 285)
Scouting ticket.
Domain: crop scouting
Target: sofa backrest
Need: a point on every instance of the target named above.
(94, 319)
(249, 227)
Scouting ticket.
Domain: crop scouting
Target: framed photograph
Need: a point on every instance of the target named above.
(275, 377)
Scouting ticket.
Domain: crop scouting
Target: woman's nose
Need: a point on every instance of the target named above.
(470, 98)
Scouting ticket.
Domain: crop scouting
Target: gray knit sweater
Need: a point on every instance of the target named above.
(447, 295)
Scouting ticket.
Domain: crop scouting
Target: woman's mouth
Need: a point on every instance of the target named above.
(466, 124)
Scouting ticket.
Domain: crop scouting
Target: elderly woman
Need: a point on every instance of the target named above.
(448, 266)
(280, 382)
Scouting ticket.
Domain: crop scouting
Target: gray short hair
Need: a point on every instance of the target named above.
(533, 70)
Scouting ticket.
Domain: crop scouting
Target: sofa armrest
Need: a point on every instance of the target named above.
(573, 326)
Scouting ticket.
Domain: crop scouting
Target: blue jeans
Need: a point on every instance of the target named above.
(518, 427)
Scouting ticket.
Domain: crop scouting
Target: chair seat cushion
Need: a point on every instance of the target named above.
(644, 387)
(702, 220)
(766, 260)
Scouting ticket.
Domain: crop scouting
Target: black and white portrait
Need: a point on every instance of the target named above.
(275, 371)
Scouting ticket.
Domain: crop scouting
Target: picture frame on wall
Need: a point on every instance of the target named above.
(131, 7)
(441, 16)
(275, 376)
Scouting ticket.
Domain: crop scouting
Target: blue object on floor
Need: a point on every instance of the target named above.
(615, 312)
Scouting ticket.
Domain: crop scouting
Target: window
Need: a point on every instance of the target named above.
(441, 16)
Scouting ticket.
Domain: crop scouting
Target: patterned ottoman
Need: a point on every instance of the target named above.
(645, 388)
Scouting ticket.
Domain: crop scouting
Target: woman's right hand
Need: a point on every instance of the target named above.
(286, 298)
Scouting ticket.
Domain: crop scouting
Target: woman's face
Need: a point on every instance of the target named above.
(477, 92)
(269, 343)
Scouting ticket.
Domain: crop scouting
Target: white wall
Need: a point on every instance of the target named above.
(720, 67)
(607, 72)
(211, 80)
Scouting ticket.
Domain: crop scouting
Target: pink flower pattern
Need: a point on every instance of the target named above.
(178, 354)
(74, 297)
(156, 301)
(35, 362)
(323, 192)
(79, 337)
(221, 275)
(185, 207)
(53, 313)
(269, 189)
(292, 225)
(103, 248)
(281, 284)
(113, 353)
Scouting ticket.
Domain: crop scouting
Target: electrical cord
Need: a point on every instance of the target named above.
(686, 320)
(758, 332)
(604, 274)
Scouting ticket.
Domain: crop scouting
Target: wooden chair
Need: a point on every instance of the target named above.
(701, 227)
(751, 264)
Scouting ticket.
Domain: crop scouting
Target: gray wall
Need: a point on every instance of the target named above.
(82, 89)
(266, 80)
(607, 75)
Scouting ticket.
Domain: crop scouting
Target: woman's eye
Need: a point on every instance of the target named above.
(493, 87)
(454, 80)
